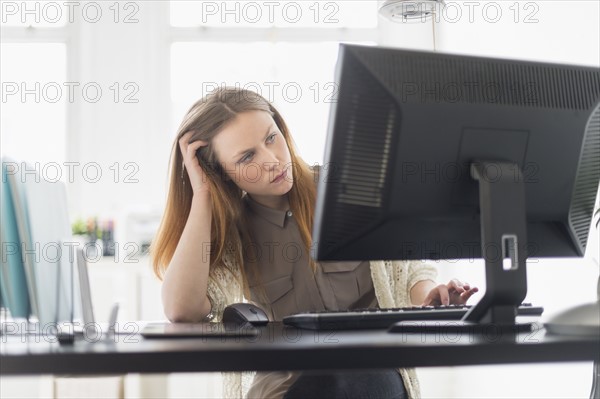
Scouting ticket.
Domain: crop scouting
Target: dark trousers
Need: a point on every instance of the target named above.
(360, 384)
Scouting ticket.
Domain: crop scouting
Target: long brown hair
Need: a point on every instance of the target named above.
(206, 118)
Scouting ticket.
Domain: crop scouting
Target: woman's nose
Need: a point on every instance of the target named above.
(271, 161)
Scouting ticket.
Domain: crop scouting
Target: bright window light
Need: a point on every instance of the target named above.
(34, 101)
(288, 14)
(41, 14)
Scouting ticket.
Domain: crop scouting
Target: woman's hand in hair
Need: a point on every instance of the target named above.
(198, 178)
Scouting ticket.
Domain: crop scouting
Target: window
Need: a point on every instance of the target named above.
(280, 14)
(35, 14)
(284, 50)
(34, 101)
(33, 74)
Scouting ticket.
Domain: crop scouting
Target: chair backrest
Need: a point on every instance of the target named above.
(41, 228)
(87, 311)
(14, 292)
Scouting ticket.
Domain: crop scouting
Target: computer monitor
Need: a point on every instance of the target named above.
(440, 156)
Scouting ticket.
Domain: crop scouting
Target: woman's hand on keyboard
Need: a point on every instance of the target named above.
(453, 293)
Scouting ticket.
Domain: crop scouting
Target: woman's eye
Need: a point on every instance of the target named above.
(249, 156)
(246, 158)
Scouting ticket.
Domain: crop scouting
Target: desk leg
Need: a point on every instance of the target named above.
(90, 386)
(153, 386)
(595, 394)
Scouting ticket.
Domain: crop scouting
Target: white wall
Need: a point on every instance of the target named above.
(553, 31)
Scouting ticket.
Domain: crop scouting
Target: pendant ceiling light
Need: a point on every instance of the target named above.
(407, 10)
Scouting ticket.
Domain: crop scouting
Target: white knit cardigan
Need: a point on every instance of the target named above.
(392, 281)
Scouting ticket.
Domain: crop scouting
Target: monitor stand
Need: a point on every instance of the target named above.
(503, 245)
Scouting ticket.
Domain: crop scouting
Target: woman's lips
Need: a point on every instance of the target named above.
(280, 177)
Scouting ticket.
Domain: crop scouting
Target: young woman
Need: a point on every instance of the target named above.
(237, 226)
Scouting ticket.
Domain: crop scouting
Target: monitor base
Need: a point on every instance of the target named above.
(454, 327)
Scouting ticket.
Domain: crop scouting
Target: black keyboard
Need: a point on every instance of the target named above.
(362, 319)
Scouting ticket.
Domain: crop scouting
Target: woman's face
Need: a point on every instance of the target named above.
(253, 153)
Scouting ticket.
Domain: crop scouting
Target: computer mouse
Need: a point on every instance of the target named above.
(65, 338)
(242, 313)
(581, 320)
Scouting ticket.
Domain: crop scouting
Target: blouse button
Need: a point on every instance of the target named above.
(289, 213)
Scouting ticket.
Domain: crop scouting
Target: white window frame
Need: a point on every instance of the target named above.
(66, 35)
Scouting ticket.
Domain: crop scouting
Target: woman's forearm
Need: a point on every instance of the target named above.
(184, 288)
